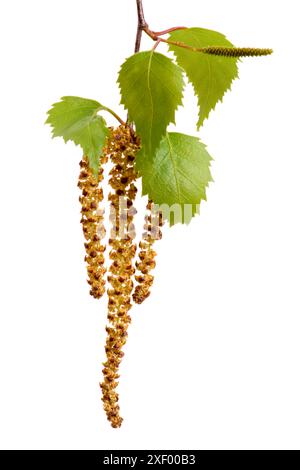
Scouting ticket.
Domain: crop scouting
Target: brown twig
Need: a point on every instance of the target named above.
(141, 25)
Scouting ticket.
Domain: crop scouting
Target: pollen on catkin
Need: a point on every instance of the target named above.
(153, 222)
(92, 225)
(122, 148)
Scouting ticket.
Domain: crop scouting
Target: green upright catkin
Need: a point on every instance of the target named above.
(236, 51)
(122, 148)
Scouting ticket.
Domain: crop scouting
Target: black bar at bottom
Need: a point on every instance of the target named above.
(137, 458)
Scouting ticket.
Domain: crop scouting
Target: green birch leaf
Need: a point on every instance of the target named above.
(76, 119)
(151, 87)
(177, 177)
(211, 76)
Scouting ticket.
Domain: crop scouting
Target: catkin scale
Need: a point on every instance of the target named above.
(122, 147)
(92, 225)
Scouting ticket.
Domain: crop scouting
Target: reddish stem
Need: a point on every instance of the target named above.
(167, 31)
(156, 44)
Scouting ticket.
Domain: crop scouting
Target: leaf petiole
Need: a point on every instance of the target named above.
(115, 115)
(167, 31)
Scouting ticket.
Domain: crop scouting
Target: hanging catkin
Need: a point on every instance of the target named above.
(122, 148)
(153, 222)
(92, 225)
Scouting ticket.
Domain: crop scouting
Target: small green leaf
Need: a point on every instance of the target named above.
(76, 119)
(151, 90)
(210, 75)
(178, 175)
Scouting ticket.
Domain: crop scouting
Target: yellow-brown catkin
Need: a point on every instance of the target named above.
(153, 222)
(122, 148)
(92, 225)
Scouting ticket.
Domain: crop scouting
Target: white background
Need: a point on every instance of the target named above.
(212, 360)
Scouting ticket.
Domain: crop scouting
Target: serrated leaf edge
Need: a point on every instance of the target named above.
(173, 120)
(220, 100)
(197, 204)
